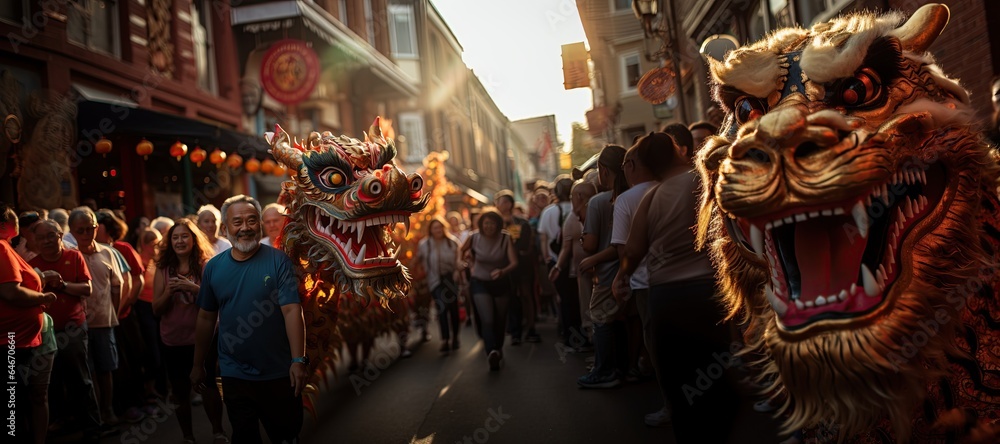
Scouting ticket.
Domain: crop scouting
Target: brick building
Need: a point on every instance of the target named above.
(969, 49)
(74, 72)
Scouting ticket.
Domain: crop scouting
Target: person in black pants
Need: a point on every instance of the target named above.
(437, 254)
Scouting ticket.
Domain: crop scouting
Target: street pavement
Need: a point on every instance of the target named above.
(433, 397)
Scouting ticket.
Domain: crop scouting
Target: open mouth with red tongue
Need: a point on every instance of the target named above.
(838, 261)
(363, 243)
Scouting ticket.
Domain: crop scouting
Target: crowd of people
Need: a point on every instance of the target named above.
(611, 256)
(116, 323)
(125, 320)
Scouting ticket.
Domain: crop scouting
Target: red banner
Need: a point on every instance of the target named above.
(289, 71)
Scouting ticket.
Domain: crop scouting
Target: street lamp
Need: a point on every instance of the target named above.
(647, 12)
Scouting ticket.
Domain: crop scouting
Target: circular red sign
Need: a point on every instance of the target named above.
(289, 71)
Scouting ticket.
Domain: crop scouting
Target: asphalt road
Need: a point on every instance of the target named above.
(436, 398)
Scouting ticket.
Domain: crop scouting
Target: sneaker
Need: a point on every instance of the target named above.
(445, 347)
(632, 376)
(592, 380)
(153, 411)
(494, 360)
(515, 341)
(196, 400)
(133, 415)
(109, 430)
(454, 344)
(533, 337)
(406, 353)
(764, 406)
(659, 418)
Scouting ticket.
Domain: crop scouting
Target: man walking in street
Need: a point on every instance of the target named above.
(261, 349)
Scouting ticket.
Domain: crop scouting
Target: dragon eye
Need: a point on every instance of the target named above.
(416, 184)
(749, 108)
(861, 90)
(375, 188)
(332, 177)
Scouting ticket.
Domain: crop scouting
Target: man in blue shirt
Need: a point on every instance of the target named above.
(261, 348)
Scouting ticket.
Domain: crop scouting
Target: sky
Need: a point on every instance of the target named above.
(514, 47)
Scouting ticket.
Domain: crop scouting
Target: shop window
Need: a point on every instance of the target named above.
(93, 24)
(13, 11)
(204, 56)
(402, 31)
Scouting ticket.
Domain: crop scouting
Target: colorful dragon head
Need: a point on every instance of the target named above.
(840, 202)
(344, 199)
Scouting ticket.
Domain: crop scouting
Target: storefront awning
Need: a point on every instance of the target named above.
(99, 118)
(330, 30)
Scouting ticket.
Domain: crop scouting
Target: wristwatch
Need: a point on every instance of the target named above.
(301, 360)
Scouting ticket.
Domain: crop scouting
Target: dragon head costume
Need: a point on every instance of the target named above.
(851, 208)
(344, 200)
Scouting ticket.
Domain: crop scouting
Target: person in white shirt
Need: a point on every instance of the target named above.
(208, 222)
(550, 226)
(102, 306)
(641, 179)
(273, 217)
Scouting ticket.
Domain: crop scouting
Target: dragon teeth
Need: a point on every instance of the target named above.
(361, 252)
(361, 233)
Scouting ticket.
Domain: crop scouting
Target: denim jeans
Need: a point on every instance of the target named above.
(70, 372)
(611, 348)
(446, 301)
(491, 299)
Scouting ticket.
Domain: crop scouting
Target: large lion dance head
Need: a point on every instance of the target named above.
(840, 204)
(344, 200)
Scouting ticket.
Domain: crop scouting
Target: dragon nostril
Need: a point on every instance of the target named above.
(807, 149)
(758, 155)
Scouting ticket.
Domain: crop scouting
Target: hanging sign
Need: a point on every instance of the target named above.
(289, 71)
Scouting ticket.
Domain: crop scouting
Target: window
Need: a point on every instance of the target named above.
(369, 22)
(93, 24)
(402, 31)
(201, 29)
(411, 136)
(342, 11)
(13, 11)
(621, 5)
(631, 72)
(632, 133)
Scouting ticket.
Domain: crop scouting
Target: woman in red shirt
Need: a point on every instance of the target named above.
(21, 320)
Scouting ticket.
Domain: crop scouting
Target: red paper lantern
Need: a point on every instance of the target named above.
(267, 166)
(144, 148)
(252, 165)
(198, 155)
(279, 171)
(178, 150)
(103, 146)
(218, 157)
(234, 161)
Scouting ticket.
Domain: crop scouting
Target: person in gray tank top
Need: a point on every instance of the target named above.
(494, 258)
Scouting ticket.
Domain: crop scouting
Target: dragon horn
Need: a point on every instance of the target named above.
(283, 151)
(374, 133)
(922, 28)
